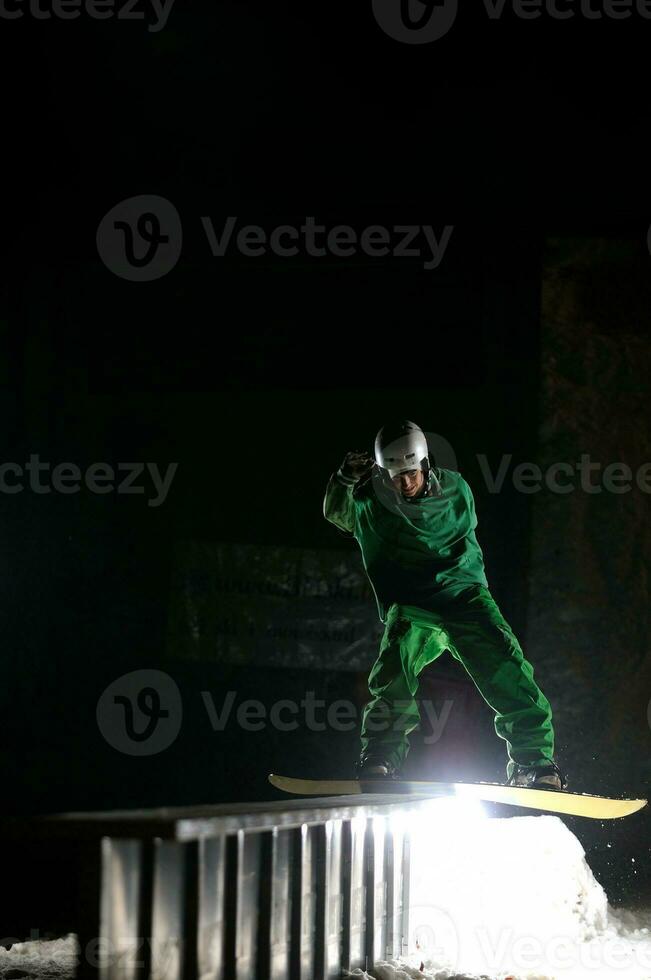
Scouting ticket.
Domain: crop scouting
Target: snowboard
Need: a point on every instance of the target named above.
(552, 800)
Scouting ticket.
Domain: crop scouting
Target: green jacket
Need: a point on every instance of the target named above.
(417, 552)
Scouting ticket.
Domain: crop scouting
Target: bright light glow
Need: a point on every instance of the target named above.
(456, 815)
(510, 897)
(449, 814)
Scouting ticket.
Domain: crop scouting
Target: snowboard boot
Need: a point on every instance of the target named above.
(371, 768)
(547, 775)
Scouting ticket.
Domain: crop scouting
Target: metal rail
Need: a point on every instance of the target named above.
(274, 891)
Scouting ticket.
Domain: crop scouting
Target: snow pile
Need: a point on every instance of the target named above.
(511, 898)
(45, 959)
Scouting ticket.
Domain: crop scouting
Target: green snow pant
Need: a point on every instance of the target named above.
(473, 629)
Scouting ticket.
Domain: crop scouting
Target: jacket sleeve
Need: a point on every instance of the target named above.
(470, 503)
(338, 503)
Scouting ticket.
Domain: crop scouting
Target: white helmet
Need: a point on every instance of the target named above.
(401, 446)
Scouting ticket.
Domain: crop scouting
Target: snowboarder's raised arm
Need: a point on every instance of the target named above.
(338, 505)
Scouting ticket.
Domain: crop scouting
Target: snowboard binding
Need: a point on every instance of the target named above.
(370, 768)
(544, 776)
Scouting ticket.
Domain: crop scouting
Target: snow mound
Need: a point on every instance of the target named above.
(511, 898)
(54, 959)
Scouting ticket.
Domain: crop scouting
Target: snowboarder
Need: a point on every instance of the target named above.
(415, 525)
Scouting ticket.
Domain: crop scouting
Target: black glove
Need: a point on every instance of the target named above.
(356, 464)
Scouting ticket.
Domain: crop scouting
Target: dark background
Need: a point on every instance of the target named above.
(520, 134)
